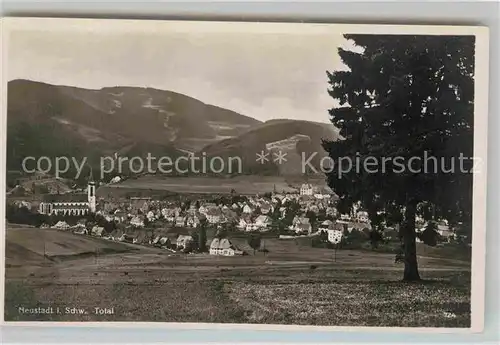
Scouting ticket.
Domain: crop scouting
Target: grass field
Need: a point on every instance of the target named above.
(293, 284)
(32, 245)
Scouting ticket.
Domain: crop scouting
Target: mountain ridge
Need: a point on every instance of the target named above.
(60, 120)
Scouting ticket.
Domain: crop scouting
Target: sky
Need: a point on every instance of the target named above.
(265, 74)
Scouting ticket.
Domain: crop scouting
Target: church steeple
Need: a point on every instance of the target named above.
(91, 192)
(91, 174)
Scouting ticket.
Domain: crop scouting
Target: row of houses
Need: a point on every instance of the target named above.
(250, 215)
(218, 246)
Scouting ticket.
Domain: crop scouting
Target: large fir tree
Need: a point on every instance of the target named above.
(405, 96)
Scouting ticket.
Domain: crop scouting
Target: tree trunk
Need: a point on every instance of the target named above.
(410, 245)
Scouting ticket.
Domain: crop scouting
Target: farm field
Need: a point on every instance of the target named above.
(292, 284)
(53, 245)
(250, 185)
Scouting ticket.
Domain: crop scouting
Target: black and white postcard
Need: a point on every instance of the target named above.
(243, 174)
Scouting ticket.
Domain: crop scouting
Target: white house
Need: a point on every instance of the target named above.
(278, 197)
(321, 196)
(137, 221)
(302, 228)
(206, 207)
(61, 225)
(326, 225)
(247, 209)
(301, 225)
(254, 202)
(345, 217)
(119, 216)
(252, 227)
(150, 216)
(334, 236)
(22, 203)
(306, 189)
(183, 241)
(229, 216)
(82, 231)
(169, 214)
(180, 221)
(214, 215)
(156, 240)
(266, 208)
(163, 241)
(115, 179)
(418, 219)
(78, 226)
(313, 208)
(444, 230)
(194, 220)
(126, 238)
(97, 231)
(244, 221)
(362, 216)
(222, 246)
(331, 211)
(139, 205)
(262, 221)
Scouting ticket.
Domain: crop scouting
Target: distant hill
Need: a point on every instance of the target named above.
(292, 137)
(49, 185)
(52, 120)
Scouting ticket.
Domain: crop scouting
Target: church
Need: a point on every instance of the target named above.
(69, 204)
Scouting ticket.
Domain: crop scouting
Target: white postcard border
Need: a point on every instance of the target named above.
(480, 147)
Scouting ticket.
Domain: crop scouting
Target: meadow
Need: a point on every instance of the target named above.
(291, 284)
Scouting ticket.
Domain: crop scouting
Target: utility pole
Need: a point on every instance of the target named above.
(44, 251)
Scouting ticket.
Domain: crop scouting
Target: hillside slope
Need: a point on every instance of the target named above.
(296, 139)
(51, 120)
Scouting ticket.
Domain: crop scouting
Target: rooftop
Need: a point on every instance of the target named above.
(68, 197)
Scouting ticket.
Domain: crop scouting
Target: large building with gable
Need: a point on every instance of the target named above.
(69, 204)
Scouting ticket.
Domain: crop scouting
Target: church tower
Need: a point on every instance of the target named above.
(91, 194)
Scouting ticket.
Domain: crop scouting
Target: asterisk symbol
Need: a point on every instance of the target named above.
(262, 157)
(280, 157)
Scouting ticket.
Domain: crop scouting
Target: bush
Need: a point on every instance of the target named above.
(375, 238)
(321, 242)
(22, 215)
(354, 239)
(391, 235)
(254, 241)
(430, 236)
